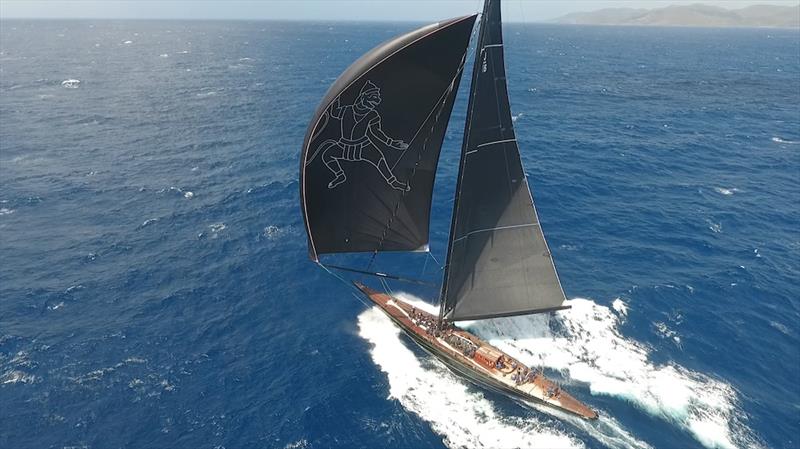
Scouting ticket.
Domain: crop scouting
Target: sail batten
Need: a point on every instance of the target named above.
(498, 263)
(370, 153)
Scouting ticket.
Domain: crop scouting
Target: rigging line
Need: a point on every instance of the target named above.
(436, 107)
(386, 287)
(467, 56)
(381, 275)
(374, 254)
(439, 108)
(350, 285)
(435, 261)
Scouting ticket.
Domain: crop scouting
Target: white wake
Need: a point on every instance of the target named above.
(584, 344)
(464, 418)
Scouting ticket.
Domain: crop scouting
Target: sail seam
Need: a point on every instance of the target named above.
(498, 228)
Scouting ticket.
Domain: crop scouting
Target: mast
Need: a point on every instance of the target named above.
(498, 263)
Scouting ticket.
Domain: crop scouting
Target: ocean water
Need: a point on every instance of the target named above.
(155, 290)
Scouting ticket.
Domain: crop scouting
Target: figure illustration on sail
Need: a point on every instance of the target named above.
(361, 138)
(498, 262)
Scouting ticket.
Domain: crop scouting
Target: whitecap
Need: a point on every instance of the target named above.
(128, 42)
(73, 288)
(665, 332)
(779, 140)
(6, 211)
(188, 195)
(272, 232)
(164, 55)
(71, 83)
(217, 227)
(149, 221)
(16, 376)
(299, 444)
(724, 191)
(780, 327)
(620, 307)
(716, 228)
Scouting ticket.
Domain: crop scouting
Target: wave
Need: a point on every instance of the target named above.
(779, 140)
(724, 191)
(71, 83)
(273, 232)
(16, 376)
(149, 221)
(586, 347)
(716, 228)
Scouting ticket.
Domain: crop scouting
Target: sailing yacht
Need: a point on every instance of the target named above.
(367, 170)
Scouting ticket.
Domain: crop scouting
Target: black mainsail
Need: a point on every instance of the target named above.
(370, 153)
(498, 263)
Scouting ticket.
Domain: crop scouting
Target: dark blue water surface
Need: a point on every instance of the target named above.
(155, 290)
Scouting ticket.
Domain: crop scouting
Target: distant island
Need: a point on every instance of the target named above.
(696, 15)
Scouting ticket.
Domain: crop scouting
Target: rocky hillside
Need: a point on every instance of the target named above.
(691, 15)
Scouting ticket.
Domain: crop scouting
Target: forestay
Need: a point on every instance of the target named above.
(498, 263)
(370, 153)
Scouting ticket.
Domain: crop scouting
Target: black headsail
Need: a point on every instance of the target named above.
(371, 150)
(498, 263)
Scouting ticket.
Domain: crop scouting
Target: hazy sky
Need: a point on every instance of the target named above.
(399, 10)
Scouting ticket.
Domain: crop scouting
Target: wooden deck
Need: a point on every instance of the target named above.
(477, 358)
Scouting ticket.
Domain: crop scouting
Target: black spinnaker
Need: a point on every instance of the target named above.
(498, 263)
(370, 153)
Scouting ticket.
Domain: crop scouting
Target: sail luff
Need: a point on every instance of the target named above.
(498, 262)
(461, 160)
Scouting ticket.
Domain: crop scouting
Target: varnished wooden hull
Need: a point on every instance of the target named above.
(538, 390)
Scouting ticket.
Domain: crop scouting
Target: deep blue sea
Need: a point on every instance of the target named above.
(155, 290)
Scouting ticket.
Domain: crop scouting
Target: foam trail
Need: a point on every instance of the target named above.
(464, 418)
(588, 347)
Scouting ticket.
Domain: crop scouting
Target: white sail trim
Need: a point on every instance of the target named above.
(496, 142)
(499, 228)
